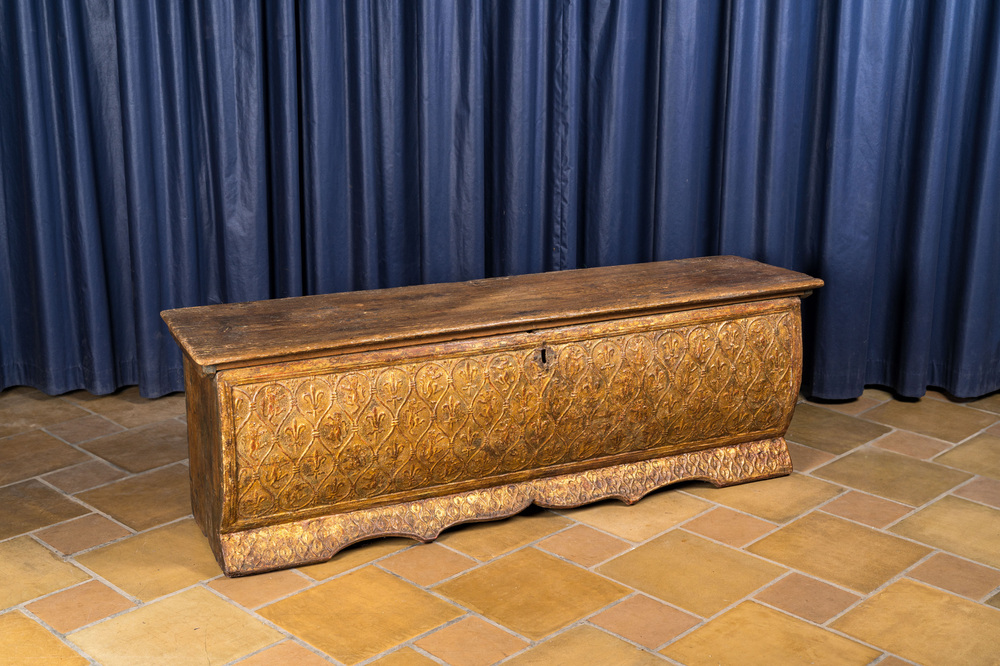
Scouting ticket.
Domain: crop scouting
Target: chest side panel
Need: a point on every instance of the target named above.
(339, 434)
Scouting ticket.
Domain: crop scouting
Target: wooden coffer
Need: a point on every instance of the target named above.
(319, 421)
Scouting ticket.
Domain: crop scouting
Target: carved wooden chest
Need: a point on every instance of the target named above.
(319, 421)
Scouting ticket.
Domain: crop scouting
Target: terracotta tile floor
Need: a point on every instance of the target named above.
(883, 547)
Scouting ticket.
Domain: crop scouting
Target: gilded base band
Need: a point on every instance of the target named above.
(318, 539)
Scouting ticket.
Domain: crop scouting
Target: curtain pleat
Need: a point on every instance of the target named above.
(163, 154)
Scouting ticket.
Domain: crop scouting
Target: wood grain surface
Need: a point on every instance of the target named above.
(240, 334)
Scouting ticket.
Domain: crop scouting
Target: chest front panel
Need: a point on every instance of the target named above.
(341, 433)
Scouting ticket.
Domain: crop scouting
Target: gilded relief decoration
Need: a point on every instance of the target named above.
(318, 539)
(359, 437)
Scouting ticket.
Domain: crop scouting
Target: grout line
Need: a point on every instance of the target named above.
(58, 635)
(203, 584)
(402, 646)
(84, 441)
(232, 662)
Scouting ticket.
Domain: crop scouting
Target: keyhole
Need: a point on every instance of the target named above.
(543, 357)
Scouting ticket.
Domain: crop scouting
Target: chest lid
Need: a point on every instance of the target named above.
(239, 334)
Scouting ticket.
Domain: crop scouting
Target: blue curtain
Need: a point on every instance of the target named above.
(162, 154)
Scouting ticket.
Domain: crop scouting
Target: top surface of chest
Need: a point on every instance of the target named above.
(233, 335)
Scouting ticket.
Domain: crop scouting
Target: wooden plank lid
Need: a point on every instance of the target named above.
(239, 334)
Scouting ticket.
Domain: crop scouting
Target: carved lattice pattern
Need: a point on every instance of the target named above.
(361, 434)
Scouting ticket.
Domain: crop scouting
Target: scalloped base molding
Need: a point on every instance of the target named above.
(318, 539)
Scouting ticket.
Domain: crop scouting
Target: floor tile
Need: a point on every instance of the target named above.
(30, 411)
(194, 626)
(805, 458)
(404, 657)
(832, 432)
(260, 589)
(78, 606)
(484, 541)
(849, 407)
(778, 500)
(877, 394)
(958, 526)
(961, 521)
(128, 408)
(155, 563)
(645, 621)
(471, 642)
(933, 418)
(532, 593)
(37, 506)
(691, 572)
(34, 453)
(24, 641)
(584, 645)
(752, 634)
(360, 614)
(29, 570)
(84, 428)
(355, 556)
(867, 509)
(145, 448)
(839, 551)
(957, 575)
(427, 564)
(936, 394)
(980, 455)
(730, 527)
(911, 444)
(894, 661)
(891, 475)
(84, 476)
(584, 545)
(288, 652)
(653, 514)
(807, 598)
(926, 625)
(982, 490)
(82, 533)
(145, 500)
(990, 403)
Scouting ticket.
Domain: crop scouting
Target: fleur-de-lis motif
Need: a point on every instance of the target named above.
(313, 399)
(375, 425)
(671, 344)
(701, 344)
(451, 411)
(468, 377)
(606, 355)
(392, 387)
(298, 431)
